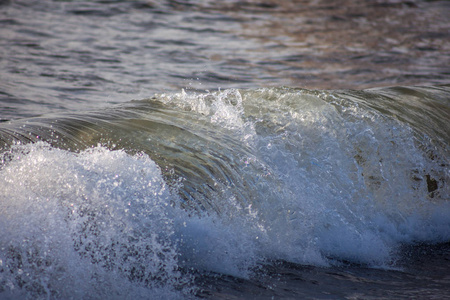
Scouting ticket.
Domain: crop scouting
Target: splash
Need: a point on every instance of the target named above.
(75, 225)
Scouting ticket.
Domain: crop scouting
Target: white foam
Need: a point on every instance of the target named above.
(103, 223)
(340, 180)
(86, 225)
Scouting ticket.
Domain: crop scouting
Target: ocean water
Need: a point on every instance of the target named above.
(224, 150)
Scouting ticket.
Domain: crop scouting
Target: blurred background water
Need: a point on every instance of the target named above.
(59, 55)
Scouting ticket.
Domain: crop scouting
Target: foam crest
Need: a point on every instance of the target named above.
(332, 178)
(104, 223)
(224, 108)
(355, 182)
(93, 223)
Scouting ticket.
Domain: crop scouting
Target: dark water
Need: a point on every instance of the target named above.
(215, 181)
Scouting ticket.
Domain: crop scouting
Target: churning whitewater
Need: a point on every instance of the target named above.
(139, 199)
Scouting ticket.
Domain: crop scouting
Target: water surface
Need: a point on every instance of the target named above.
(223, 150)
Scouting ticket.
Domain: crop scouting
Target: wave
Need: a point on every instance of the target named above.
(141, 196)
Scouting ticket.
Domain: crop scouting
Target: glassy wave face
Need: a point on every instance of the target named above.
(139, 199)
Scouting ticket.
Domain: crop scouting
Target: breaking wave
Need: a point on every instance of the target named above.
(137, 199)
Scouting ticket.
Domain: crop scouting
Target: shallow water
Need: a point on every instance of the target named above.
(420, 280)
(216, 182)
